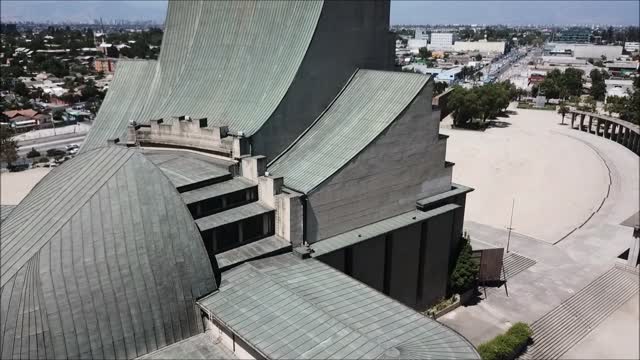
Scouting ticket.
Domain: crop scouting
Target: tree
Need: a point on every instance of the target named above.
(439, 87)
(563, 110)
(559, 85)
(589, 104)
(55, 67)
(598, 87)
(89, 91)
(8, 146)
(464, 105)
(424, 53)
(465, 271)
(478, 57)
(572, 81)
(615, 104)
(21, 89)
(534, 90)
(631, 111)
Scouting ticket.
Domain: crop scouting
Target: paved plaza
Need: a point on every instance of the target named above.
(14, 186)
(572, 189)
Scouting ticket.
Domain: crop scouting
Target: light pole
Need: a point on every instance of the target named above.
(510, 224)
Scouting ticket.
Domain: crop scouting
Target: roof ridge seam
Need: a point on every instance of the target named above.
(317, 119)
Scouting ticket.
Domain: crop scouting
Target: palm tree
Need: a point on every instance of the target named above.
(563, 109)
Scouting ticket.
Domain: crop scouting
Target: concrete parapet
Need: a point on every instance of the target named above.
(614, 129)
(289, 220)
(268, 188)
(183, 132)
(253, 167)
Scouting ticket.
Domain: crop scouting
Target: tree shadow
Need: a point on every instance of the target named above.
(475, 299)
(498, 124)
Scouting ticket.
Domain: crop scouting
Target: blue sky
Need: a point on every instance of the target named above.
(402, 12)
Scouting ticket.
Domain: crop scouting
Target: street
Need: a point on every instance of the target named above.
(44, 144)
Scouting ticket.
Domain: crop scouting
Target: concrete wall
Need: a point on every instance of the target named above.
(228, 340)
(441, 102)
(404, 264)
(410, 264)
(334, 259)
(349, 35)
(481, 46)
(436, 245)
(405, 163)
(457, 227)
(368, 262)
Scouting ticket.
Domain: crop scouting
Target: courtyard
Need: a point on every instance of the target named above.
(572, 191)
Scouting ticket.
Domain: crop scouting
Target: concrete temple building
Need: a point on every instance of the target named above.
(267, 188)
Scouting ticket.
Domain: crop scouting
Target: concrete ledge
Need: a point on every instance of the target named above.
(456, 189)
(378, 228)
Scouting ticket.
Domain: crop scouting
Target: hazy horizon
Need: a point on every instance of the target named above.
(615, 12)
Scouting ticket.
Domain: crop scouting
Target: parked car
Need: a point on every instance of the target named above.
(73, 151)
(72, 146)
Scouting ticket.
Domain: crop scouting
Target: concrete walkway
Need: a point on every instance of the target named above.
(592, 191)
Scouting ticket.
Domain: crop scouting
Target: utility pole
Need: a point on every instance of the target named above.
(510, 224)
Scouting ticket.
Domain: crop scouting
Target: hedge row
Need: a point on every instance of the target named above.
(508, 345)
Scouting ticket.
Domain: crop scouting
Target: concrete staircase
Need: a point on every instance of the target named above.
(563, 327)
(514, 264)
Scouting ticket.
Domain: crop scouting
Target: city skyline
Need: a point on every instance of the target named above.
(620, 13)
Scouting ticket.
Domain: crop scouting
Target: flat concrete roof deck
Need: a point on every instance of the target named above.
(254, 250)
(215, 190)
(201, 346)
(186, 169)
(456, 189)
(232, 215)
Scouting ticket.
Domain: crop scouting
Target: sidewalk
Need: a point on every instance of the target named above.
(79, 129)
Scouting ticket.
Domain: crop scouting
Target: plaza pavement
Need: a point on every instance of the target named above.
(565, 182)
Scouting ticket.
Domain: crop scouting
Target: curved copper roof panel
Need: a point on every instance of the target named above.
(367, 105)
(229, 61)
(127, 92)
(102, 259)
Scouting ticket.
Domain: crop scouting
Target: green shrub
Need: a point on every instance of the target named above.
(465, 272)
(508, 345)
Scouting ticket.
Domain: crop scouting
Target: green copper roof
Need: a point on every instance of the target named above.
(5, 210)
(229, 61)
(100, 260)
(367, 105)
(288, 308)
(129, 88)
